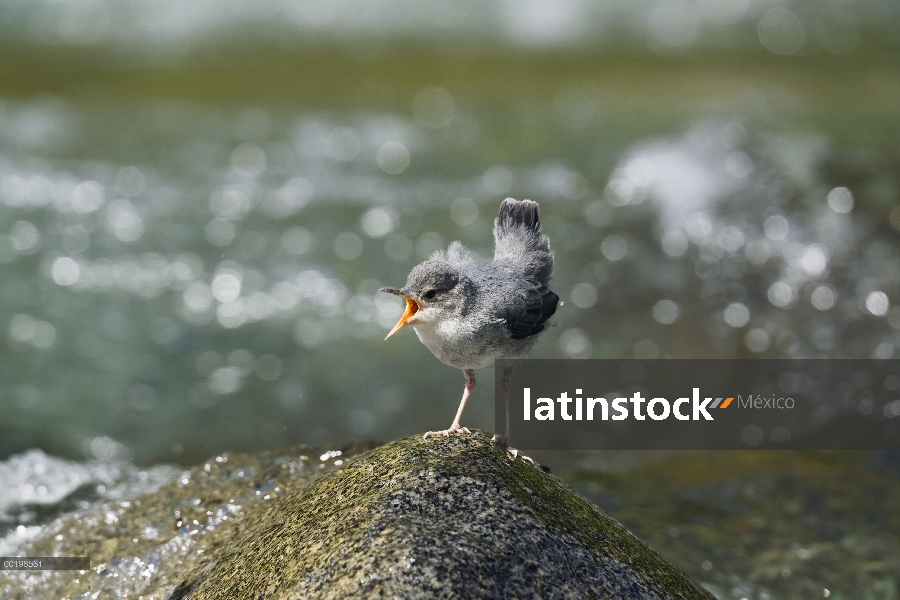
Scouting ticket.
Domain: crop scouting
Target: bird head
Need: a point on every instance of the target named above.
(433, 289)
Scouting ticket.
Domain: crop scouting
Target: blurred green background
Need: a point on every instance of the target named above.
(199, 199)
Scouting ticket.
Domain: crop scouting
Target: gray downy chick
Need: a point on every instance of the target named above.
(469, 313)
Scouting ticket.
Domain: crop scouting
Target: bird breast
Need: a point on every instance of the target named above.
(469, 343)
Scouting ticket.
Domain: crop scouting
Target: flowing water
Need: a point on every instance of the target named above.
(199, 200)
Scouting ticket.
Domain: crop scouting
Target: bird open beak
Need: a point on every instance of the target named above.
(412, 308)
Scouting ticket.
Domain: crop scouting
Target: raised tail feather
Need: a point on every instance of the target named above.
(519, 213)
(518, 240)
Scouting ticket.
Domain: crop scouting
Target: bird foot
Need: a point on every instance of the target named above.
(455, 428)
(503, 442)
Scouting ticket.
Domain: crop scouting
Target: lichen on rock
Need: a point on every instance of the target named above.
(443, 517)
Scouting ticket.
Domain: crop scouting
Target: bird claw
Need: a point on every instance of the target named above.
(446, 432)
(503, 442)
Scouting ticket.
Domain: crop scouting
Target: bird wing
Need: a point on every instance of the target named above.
(528, 318)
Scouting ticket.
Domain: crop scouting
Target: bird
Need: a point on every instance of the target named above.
(470, 313)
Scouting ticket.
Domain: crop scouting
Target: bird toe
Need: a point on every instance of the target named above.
(455, 429)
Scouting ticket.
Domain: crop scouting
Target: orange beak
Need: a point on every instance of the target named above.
(411, 309)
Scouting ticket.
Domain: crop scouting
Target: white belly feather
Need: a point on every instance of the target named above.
(456, 342)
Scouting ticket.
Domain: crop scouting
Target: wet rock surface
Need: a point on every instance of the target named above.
(413, 518)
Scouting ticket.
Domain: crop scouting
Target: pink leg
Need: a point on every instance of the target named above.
(467, 391)
(507, 375)
(503, 441)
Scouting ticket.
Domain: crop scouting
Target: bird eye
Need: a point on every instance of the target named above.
(430, 294)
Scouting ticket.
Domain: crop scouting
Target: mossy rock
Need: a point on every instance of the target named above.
(410, 519)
